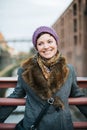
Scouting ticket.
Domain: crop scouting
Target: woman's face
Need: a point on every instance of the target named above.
(46, 46)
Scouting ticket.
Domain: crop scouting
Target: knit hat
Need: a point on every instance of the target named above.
(42, 29)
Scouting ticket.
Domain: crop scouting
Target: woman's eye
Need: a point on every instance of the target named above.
(49, 41)
(40, 43)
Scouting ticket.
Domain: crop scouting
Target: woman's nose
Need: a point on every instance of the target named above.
(46, 45)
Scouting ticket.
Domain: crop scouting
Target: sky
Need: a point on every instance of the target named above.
(20, 18)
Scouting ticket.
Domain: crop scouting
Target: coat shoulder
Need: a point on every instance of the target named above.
(71, 67)
(28, 62)
(20, 70)
(72, 70)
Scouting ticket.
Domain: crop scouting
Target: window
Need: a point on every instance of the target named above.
(75, 40)
(75, 25)
(85, 11)
(75, 9)
(79, 5)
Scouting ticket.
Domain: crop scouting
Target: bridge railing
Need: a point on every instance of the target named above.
(10, 82)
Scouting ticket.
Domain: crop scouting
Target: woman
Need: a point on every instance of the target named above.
(46, 75)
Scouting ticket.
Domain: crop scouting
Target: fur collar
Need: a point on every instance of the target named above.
(33, 76)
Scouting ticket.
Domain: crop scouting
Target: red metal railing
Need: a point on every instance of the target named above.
(10, 82)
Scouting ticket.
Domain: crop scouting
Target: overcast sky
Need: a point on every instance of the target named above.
(19, 18)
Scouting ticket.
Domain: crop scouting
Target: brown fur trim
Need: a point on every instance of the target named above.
(34, 77)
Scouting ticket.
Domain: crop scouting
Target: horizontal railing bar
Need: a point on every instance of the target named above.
(16, 40)
(80, 125)
(10, 82)
(5, 79)
(7, 126)
(17, 101)
(82, 84)
(15, 79)
(81, 78)
(11, 126)
(12, 101)
(78, 101)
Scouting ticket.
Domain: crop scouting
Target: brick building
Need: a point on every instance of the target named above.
(71, 27)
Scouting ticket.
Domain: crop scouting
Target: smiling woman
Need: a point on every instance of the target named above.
(47, 81)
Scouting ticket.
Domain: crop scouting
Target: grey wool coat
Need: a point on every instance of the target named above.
(53, 119)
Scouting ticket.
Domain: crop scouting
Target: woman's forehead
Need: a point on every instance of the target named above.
(45, 36)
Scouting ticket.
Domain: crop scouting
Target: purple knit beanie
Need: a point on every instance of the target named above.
(42, 29)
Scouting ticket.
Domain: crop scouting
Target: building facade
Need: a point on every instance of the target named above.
(71, 27)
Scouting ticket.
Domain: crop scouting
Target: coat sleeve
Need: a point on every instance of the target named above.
(18, 92)
(77, 92)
